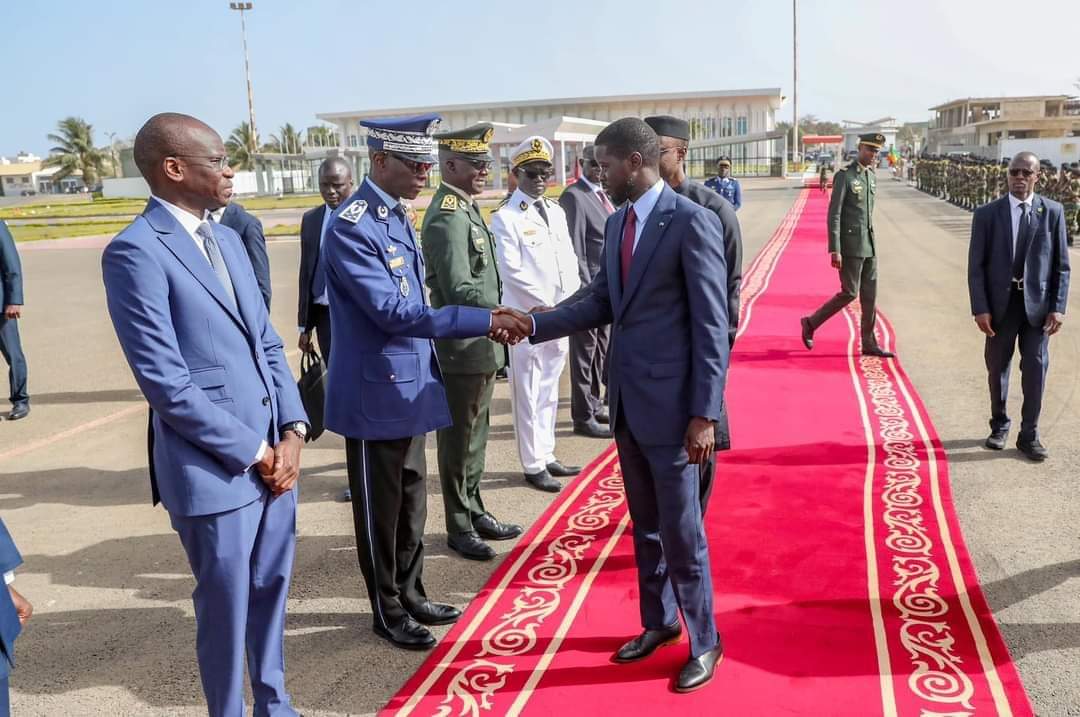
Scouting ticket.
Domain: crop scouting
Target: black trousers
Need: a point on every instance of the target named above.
(389, 501)
(588, 352)
(11, 349)
(321, 321)
(1014, 328)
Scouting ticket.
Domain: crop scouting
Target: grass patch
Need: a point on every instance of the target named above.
(100, 208)
(40, 232)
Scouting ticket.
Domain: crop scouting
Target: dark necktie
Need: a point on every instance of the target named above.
(539, 204)
(1023, 237)
(626, 249)
(217, 262)
(605, 201)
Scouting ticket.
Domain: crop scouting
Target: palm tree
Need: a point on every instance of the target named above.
(286, 141)
(75, 151)
(238, 147)
(320, 136)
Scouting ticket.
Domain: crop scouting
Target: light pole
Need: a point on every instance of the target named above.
(242, 6)
(795, 79)
(112, 153)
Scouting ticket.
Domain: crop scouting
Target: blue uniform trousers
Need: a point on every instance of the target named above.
(11, 349)
(242, 561)
(5, 704)
(672, 555)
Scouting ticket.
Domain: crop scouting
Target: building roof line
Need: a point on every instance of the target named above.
(1021, 98)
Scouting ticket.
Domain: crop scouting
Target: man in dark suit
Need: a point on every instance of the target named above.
(674, 134)
(1018, 281)
(587, 208)
(663, 288)
(15, 610)
(226, 422)
(250, 230)
(11, 304)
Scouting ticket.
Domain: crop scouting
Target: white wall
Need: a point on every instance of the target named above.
(1055, 149)
(243, 183)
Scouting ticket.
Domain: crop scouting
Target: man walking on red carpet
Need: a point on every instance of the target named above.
(851, 246)
(663, 288)
(1018, 280)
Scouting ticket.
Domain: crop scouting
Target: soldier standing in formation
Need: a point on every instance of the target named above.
(459, 251)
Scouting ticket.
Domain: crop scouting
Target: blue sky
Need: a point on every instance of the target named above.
(115, 63)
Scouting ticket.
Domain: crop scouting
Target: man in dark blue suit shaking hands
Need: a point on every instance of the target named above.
(662, 286)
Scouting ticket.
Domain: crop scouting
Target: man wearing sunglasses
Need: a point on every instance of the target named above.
(538, 269)
(1018, 282)
(385, 387)
(459, 252)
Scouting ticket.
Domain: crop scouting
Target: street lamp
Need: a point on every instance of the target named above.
(795, 79)
(112, 153)
(242, 6)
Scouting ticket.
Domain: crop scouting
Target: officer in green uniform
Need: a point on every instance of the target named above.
(459, 252)
(851, 245)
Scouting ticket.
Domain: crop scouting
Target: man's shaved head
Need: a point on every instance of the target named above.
(335, 180)
(335, 165)
(183, 160)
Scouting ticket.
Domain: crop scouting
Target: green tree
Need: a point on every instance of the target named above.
(321, 136)
(75, 151)
(238, 147)
(286, 141)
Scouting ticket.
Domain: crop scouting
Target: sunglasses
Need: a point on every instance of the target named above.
(414, 167)
(544, 174)
(478, 164)
(1020, 173)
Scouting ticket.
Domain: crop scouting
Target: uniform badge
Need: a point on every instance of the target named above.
(391, 249)
(524, 205)
(354, 211)
(396, 262)
(449, 203)
(382, 211)
(404, 286)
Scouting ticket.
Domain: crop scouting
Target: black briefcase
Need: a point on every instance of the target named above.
(312, 385)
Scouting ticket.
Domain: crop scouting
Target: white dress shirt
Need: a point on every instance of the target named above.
(1014, 206)
(9, 577)
(191, 223)
(643, 208)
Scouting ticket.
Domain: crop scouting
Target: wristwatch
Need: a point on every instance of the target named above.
(297, 427)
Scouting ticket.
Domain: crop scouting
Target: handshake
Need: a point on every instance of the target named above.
(509, 326)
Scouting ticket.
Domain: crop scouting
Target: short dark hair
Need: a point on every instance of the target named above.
(625, 136)
(331, 163)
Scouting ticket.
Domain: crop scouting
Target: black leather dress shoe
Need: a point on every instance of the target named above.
(490, 529)
(345, 497)
(602, 416)
(543, 481)
(996, 439)
(591, 429)
(1034, 450)
(470, 547)
(807, 332)
(19, 410)
(433, 613)
(878, 351)
(557, 469)
(647, 643)
(699, 671)
(407, 634)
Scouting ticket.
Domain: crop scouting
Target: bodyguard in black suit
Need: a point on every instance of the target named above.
(1018, 280)
(335, 184)
(250, 230)
(11, 303)
(587, 208)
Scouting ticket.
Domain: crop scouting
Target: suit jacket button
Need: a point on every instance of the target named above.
(266, 400)
(393, 377)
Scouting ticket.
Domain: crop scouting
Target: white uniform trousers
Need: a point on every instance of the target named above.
(534, 386)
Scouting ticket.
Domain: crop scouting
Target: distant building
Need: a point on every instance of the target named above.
(20, 179)
(887, 126)
(977, 125)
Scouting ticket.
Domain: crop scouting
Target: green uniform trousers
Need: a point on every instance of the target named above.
(463, 447)
(858, 278)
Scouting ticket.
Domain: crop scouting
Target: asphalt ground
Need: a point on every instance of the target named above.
(113, 631)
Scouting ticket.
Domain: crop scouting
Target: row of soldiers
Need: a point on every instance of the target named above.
(970, 182)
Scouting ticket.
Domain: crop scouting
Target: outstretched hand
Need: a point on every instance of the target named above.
(509, 326)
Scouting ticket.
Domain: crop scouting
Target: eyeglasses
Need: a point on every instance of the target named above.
(1017, 172)
(544, 174)
(414, 167)
(478, 164)
(218, 163)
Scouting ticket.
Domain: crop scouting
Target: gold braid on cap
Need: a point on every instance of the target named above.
(537, 151)
(466, 146)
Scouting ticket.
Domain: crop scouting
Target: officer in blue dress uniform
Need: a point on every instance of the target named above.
(724, 184)
(385, 388)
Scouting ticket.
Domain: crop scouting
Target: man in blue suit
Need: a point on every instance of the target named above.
(663, 288)
(1018, 281)
(250, 230)
(385, 389)
(11, 304)
(226, 423)
(15, 610)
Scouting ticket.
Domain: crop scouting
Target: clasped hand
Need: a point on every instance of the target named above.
(509, 326)
(280, 465)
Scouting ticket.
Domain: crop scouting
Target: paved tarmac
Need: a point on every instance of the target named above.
(114, 631)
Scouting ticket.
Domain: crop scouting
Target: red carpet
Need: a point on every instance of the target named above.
(842, 583)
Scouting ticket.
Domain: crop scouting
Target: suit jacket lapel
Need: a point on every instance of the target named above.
(612, 238)
(182, 246)
(1005, 214)
(655, 226)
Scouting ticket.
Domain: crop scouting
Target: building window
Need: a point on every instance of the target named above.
(726, 132)
(353, 140)
(740, 125)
